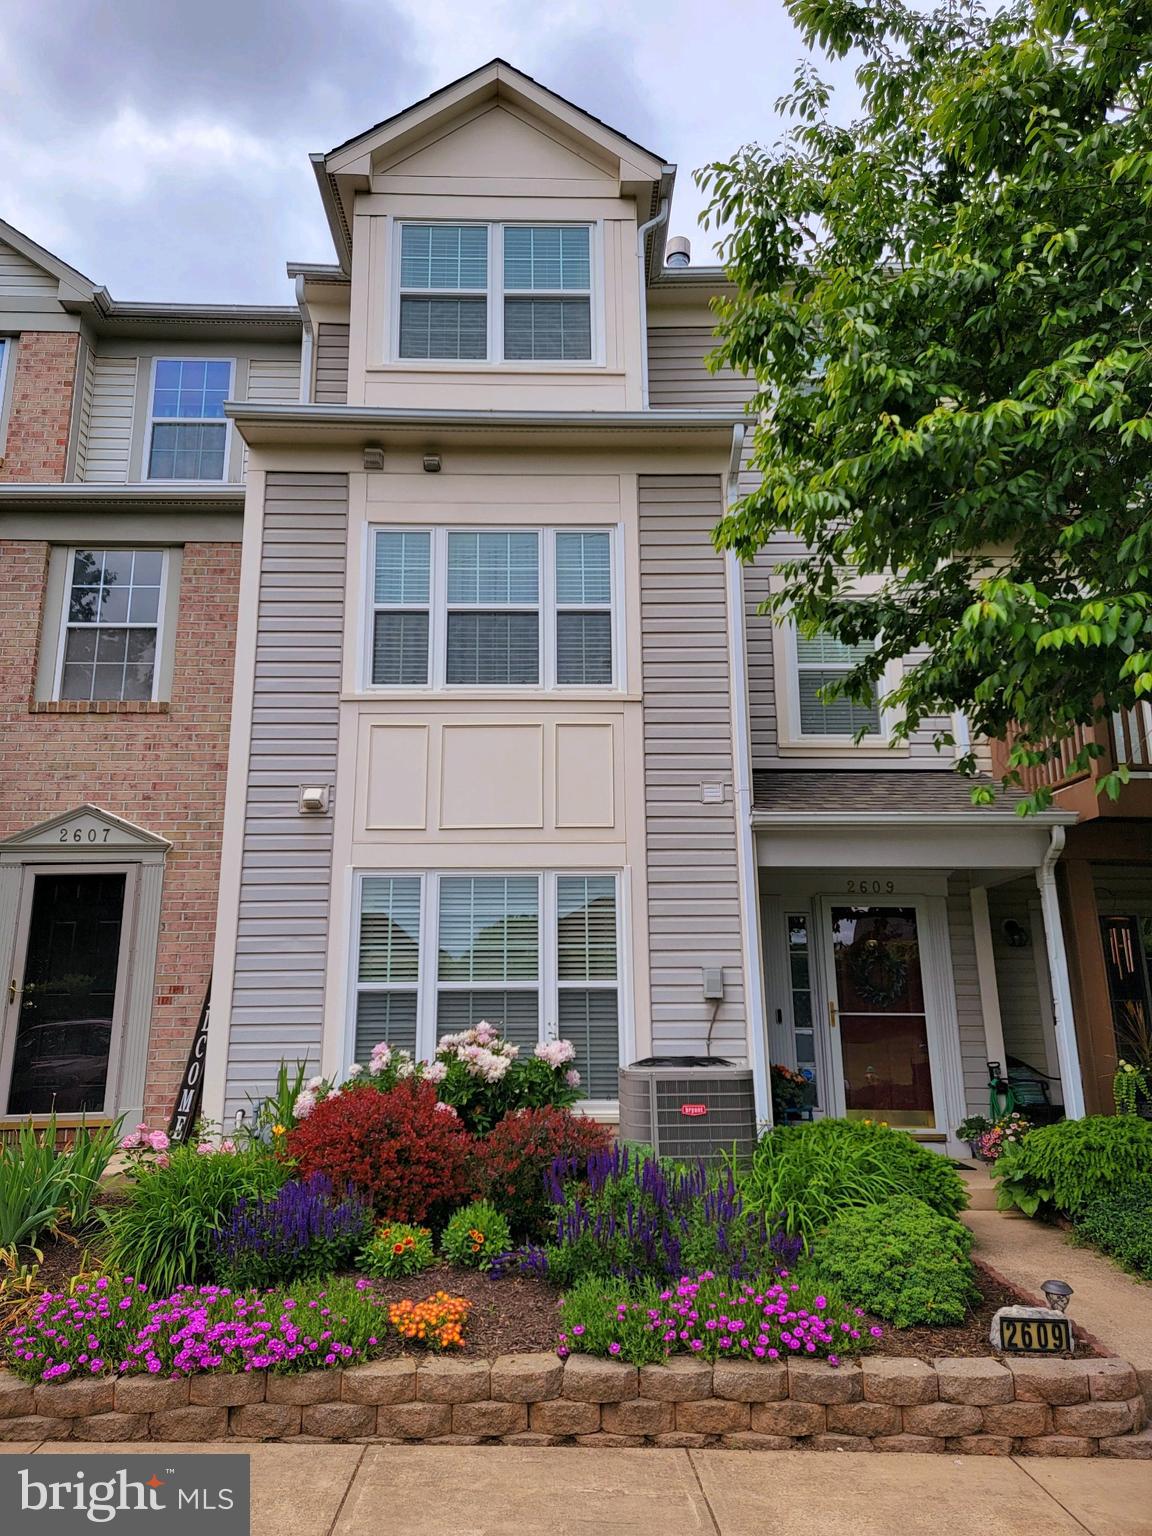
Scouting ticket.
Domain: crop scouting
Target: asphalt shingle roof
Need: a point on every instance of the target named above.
(827, 790)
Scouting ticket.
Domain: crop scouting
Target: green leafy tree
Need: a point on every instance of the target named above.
(945, 306)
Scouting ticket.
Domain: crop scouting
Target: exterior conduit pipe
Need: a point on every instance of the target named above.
(1067, 1053)
(660, 217)
(750, 942)
(306, 342)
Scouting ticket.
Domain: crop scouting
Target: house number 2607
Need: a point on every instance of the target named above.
(79, 835)
(868, 887)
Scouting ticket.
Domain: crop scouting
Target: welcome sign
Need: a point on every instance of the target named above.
(130, 1495)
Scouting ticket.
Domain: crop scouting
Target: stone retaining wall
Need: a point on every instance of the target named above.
(971, 1406)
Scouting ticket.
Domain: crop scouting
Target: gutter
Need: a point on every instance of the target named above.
(754, 996)
(1071, 1080)
(306, 341)
(814, 821)
(661, 217)
(372, 416)
(95, 494)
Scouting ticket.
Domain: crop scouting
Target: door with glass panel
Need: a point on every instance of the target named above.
(66, 995)
(880, 1031)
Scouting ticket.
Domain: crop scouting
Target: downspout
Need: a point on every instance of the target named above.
(1066, 1049)
(306, 342)
(641, 235)
(757, 1017)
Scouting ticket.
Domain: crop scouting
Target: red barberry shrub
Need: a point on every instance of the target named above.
(510, 1165)
(409, 1157)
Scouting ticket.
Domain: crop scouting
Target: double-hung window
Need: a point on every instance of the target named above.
(536, 955)
(492, 608)
(110, 627)
(189, 435)
(821, 660)
(495, 293)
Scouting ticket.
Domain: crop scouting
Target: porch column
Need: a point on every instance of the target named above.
(1090, 995)
(986, 975)
(1066, 1051)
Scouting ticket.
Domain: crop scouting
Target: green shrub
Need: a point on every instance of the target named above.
(1069, 1165)
(1121, 1224)
(475, 1236)
(41, 1182)
(801, 1177)
(900, 1260)
(397, 1249)
(162, 1233)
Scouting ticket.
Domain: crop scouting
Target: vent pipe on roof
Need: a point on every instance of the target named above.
(678, 252)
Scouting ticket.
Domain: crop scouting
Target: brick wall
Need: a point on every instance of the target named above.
(36, 443)
(163, 770)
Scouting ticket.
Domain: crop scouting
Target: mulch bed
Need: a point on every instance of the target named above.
(519, 1314)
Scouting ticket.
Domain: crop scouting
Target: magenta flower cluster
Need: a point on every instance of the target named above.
(754, 1320)
(111, 1328)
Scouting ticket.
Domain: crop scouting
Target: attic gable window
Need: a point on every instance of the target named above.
(495, 293)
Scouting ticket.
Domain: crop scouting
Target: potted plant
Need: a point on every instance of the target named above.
(971, 1130)
(792, 1093)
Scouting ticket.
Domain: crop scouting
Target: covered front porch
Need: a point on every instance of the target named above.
(909, 944)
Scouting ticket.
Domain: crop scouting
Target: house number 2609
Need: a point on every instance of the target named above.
(868, 887)
(79, 835)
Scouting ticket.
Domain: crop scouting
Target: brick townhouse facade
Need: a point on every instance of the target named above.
(114, 771)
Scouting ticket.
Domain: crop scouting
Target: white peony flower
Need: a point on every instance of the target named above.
(304, 1105)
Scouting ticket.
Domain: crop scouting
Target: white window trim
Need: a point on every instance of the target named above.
(160, 625)
(792, 741)
(187, 421)
(494, 295)
(546, 606)
(547, 984)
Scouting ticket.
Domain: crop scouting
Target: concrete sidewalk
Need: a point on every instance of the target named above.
(402, 1490)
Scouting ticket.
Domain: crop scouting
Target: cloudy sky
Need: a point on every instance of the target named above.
(161, 146)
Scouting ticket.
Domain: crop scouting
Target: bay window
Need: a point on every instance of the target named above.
(536, 955)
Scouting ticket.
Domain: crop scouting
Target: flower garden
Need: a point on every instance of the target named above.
(420, 1224)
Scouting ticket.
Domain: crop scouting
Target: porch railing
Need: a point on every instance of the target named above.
(1125, 738)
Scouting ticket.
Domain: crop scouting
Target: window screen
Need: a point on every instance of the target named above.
(401, 622)
(553, 266)
(493, 608)
(388, 968)
(490, 934)
(111, 624)
(588, 1001)
(584, 608)
(189, 434)
(443, 291)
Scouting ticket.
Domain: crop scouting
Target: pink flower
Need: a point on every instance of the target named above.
(158, 1141)
(572, 1077)
(130, 1142)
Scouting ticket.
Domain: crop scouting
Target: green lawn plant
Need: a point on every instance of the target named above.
(1121, 1225)
(801, 1177)
(901, 1261)
(475, 1235)
(397, 1249)
(1067, 1166)
(162, 1231)
(42, 1182)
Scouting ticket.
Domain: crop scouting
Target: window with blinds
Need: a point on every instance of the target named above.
(588, 1010)
(444, 291)
(548, 293)
(821, 660)
(401, 612)
(536, 955)
(583, 608)
(388, 968)
(491, 609)
(505, 292)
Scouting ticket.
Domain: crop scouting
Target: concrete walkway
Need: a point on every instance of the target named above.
(1114, 1307)
(401, 1490)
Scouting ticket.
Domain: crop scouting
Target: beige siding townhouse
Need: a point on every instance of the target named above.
(510, 740)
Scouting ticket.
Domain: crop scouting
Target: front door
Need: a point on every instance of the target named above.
(65, 997)
(880, 1036)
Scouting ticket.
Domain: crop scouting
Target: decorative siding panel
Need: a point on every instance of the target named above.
(693, 887)
(282, 931)
(19, 275)
(274, 378)
(969, 1005)
(106, 449)
(331, 364)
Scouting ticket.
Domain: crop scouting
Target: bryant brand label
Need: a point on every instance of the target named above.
(693, 1110)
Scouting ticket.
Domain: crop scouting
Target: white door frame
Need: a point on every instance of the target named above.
(14, 986)
(816, 900)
